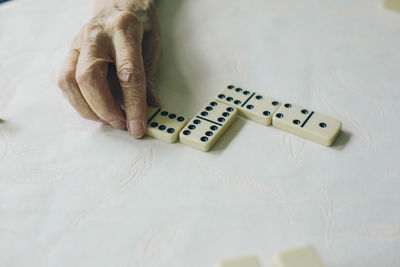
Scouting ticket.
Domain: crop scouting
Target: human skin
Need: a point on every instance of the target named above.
(115, 57)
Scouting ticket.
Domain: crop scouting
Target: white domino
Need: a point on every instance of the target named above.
(392, 4)
(251, 105)
(307, 124)
(248, 261)
(164, 125)
(208, 125)
(304, 256)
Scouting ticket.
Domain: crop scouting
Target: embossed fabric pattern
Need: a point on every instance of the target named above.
(76, 193)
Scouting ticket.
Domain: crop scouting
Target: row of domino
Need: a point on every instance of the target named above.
(211, 122)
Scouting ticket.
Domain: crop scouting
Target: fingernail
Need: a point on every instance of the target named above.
(136, 128)
(119, 124)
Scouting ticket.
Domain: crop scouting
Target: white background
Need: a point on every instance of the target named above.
(75, 193)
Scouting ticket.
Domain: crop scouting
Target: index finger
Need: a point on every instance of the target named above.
(131, 74)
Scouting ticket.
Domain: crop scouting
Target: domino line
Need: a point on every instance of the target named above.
(248, 99)
(304, 123)
(219, 124)
(155, 114)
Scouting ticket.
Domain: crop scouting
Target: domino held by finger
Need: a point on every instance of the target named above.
(164, 125)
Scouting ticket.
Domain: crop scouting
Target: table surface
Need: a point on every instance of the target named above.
(75, 193)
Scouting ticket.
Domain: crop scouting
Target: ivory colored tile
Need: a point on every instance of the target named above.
(307, 124)
(392, 4)
(251, 105)
(164, 125)
(203, 131)
(248, 261)
(304, 256)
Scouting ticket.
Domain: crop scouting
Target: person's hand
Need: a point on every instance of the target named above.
(120, 40)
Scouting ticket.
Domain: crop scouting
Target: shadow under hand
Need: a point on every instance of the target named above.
(171, 84)
(172, 87)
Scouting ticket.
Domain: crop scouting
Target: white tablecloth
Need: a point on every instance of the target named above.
(75, 193)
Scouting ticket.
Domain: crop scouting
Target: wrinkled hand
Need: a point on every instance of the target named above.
(124, 44)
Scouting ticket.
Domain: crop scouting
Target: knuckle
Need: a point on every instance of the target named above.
(126, 20)
(90, 72)
(65, 79)
(95, 24)
(90, 48)
(93, 29)
(129, 75)
(85, 76)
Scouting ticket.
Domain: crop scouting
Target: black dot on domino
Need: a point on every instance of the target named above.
(230, 109)
(297, 122)
(171, 130)
(225, 114)
(275, 103)
(192, 127)
(239, 90)
(209, 108)
(250, 107)
(187, 132)
(229, 99)
(279, 115)
(246, 92)
(220, 119)
(221, 96)
(172, 116)
(259, 97)
(209, 133)
(196, 121)
(287, 105)
(213, 104)
(237, 102)
(162, 127)
(204, 139)
(323, 125)
(267, 113)
(154, 124)
(304, 111)
(164, 113)
(204, 114)
(180, 119)
(214, 128)
(230, 87)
